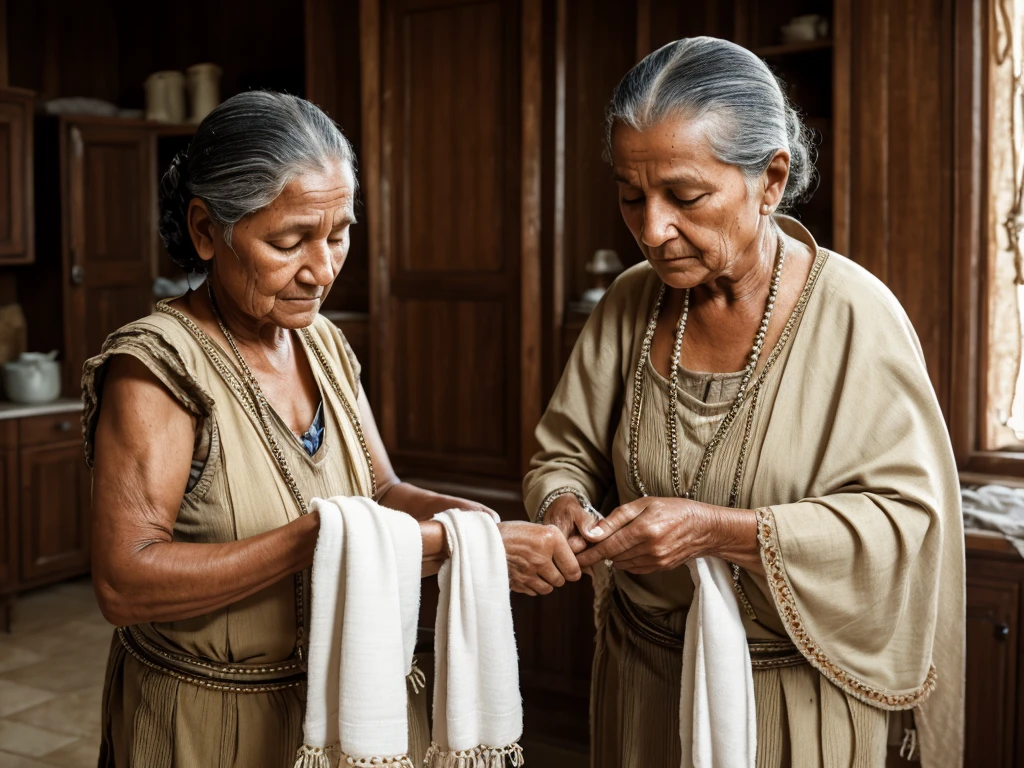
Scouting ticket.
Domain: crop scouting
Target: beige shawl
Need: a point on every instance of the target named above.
(855, 486)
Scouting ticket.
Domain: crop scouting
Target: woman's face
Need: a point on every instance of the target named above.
(693, 216)
(283, 259)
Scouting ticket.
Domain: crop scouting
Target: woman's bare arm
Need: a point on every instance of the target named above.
(144, 443)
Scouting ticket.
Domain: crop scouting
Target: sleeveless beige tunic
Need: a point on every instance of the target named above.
(160, 720)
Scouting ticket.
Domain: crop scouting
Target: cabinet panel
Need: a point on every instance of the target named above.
(55, 514)
(8, 519)
(16, 240)
(110, 200)
(992, 639)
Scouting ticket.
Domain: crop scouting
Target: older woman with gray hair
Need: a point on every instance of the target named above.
(747, 395)
(210, 425)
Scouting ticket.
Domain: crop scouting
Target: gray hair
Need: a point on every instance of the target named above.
(243, 155)
(748, 116)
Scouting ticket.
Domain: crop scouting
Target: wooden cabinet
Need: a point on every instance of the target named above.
(96, 226)
(995, 687)
(16, 201)
(45, 508)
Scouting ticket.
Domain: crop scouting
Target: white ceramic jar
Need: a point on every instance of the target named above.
(203, 90)
(165, 97)
(32, 379)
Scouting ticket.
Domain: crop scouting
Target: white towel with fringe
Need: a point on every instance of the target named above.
(717, 720)
(365, 607)
(478, 710)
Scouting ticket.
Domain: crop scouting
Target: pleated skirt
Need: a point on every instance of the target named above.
(803, 721)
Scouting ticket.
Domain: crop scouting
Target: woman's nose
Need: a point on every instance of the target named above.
(659, 226)
(320, 264)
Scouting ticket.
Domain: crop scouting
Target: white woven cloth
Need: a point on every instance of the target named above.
(478, 710)
(717, 720)
(365, 606)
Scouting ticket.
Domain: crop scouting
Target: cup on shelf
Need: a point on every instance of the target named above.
(165, 97)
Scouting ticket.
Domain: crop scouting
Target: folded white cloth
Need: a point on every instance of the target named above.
(717, 721)
(365, 606)
(995, 508)
(478, 711)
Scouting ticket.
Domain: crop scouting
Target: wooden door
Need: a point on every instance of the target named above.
(110, 216)
(992, 647)
(457, 234)
(16, 225)
(55, 511)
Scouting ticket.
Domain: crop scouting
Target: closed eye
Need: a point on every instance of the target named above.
(689, 201)
(287, 247)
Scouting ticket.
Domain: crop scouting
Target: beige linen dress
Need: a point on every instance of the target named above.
(225, 689)
(851, 471)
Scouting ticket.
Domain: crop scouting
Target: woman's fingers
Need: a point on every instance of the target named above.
(616, 521)
(565, 560)
(577, 543)
(608, 548)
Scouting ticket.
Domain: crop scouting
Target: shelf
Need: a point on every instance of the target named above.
(788, 49)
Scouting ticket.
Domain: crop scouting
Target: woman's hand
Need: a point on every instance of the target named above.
(538, 557)
(660, 534)
(568, 515)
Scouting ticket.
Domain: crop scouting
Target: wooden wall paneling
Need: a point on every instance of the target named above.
(451, 131)
(841, 109)
(9, 545)
(555, 27)
(530, 322)
(333, 55)
(371, 99)
(4, 73)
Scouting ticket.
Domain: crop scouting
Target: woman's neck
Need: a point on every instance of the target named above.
(750, 276)
(246, 330)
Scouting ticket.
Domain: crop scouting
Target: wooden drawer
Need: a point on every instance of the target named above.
(52, 428)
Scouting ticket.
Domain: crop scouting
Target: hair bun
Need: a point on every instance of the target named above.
(174, 198)
(801, 159)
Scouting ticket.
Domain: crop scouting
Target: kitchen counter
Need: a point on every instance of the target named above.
(9, 410)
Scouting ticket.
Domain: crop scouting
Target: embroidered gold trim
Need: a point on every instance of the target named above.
(782, 593)
(214, 686)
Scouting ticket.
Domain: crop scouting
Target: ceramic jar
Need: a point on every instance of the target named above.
(32, 379)
(203, 90)
(165, 97)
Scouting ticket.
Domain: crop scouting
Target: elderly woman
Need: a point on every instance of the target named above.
(210, 425)
(744, 394)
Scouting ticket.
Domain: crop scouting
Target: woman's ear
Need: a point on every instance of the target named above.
(775, 177)
(202, 229)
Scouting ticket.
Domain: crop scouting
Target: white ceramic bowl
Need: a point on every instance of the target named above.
(32, 382)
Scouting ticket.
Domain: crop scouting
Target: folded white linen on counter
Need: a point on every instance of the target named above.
(995, 508)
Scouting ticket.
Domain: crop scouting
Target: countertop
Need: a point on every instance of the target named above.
(9, 410)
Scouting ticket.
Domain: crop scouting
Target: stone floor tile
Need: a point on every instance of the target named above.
(15, 697)
(29, 741)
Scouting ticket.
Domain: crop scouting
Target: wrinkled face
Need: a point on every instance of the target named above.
(283, 259)
(693, 216)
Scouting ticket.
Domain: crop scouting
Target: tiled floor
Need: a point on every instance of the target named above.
(51, 679)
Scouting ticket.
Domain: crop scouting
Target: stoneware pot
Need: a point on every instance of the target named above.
(33, 378)
(203, 90)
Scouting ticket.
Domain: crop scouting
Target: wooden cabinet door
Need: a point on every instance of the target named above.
(16, 225)
(55, 511)
(8, 505)
(110, 202)
(992, 641)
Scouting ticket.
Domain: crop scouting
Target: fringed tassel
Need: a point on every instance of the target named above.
(312, 757)
(395, 761)
(478, 757)
(908, 749)
(416, 680)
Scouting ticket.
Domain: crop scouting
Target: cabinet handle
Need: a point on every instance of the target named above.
(77, 274)
(65, 426)
(1002, 631)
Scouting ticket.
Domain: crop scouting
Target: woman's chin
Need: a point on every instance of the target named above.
(680, 273)
(295, 315)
